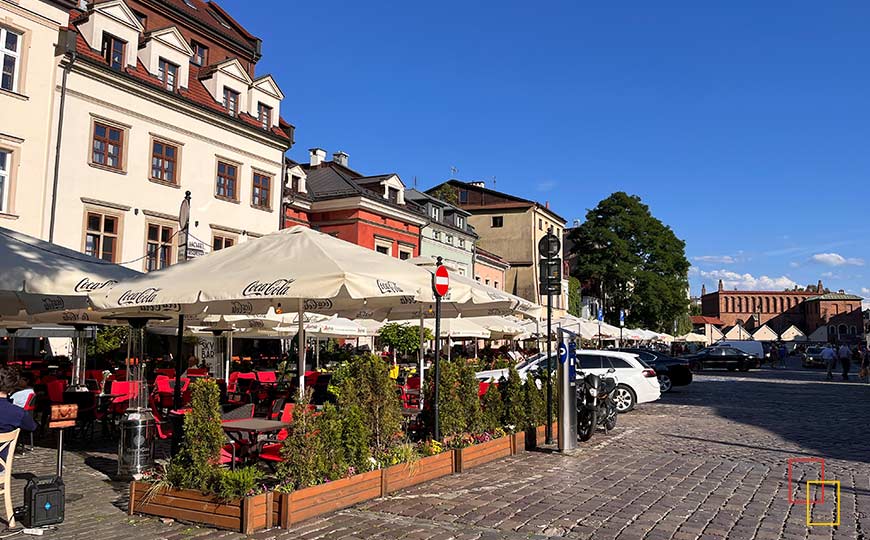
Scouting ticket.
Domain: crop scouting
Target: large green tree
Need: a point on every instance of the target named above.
(633, 261)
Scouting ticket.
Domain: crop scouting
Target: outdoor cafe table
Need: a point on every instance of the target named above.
(247, 433)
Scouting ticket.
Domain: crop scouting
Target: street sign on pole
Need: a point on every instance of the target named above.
(563, 352)
(621, 317)
(442, 281)
(600, 314)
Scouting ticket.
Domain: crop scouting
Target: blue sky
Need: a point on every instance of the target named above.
(743, 125)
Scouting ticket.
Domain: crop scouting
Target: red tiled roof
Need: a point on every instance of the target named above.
(195, 92)
(203, 12)
(701, 319)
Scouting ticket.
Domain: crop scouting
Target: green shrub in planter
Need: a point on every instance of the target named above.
(196, 464)
(302, 450)
(369, 388)
(534, 402)
(493, 408)
(512, 397)
(469, 390)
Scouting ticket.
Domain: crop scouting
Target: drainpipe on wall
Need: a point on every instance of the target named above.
(67, 40)
(282, 204)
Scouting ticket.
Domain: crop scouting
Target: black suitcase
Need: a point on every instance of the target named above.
(43, 501)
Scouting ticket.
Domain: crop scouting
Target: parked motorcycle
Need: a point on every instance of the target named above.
(595, 405)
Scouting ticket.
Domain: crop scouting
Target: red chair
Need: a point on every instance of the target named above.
(55, 390)
(267, 377)
(166, 372)
(272, 451)
(30, 407)
(164, 428)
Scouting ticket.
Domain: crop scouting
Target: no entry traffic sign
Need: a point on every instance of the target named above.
(442, 281)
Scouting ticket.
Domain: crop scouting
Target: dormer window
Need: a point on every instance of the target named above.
(460, 222)
(167, 72)
(200, 53)
(264, 114)
(393, 195)
(113, 51)
(436, 213)
(231, 101)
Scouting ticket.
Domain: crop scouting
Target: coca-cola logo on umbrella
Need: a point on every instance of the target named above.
(279, 287)
(86, 285)
(145, 296)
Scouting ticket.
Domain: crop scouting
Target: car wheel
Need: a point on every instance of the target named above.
(665, 383)
(624, 398)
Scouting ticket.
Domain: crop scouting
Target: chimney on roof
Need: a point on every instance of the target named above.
(317, 155)
(721, 286)
(547, 205)
(819, 288)
(340, 158)
(479, 183)
(703, 289)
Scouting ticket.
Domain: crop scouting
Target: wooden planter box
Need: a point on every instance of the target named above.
(518, 442)
(310, 502)
(245, 515)
(478, 454)
(410, 474)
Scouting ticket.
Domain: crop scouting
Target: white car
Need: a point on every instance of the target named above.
(636, 382)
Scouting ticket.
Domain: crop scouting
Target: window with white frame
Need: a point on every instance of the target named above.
(436, 213)
(462, 242)
(460, 222)
(436, 235)
(5, 166)
(450, 239)
(10, 56)
(384, 246)
(167, 72)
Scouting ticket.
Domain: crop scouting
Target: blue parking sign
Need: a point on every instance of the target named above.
(600, 314)
(563, 353)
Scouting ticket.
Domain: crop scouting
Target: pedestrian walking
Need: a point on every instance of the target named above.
(844, 355)
(830, 358)
(782, 354)
(864, 374)
(774, 356)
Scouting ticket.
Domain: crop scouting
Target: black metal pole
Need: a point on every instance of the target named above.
(549, 438)
(179, 351)
(437, 376)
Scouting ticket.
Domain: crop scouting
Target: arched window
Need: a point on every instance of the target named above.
(842, 330)
(832, 330)
(853, 330)
(767, 304)
(740, 303)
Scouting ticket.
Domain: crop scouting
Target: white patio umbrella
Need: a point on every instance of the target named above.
(691, 338)
(37, 276)
(499, 327)
(293, 268)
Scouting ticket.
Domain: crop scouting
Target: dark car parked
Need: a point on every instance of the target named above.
(670, 371)
(722, 357)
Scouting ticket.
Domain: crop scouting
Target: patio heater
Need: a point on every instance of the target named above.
(80, 358)
(138, 427)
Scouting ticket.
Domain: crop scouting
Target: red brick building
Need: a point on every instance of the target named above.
(369, 211)
(808, 310)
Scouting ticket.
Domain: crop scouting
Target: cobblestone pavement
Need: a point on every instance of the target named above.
(707, 461)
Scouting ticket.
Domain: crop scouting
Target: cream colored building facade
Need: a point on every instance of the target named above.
(511, 228)
(29, 31)
(138, 135)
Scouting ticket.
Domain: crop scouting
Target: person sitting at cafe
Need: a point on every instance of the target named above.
(21, 396)
(12, 416)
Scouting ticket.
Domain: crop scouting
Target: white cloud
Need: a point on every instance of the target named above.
(716, 259)
(835, 259)
(865, 290)
(748, 282)
(794, 264)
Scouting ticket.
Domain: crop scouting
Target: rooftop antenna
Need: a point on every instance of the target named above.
(415, 181)
(453, 170)
(493, 182)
